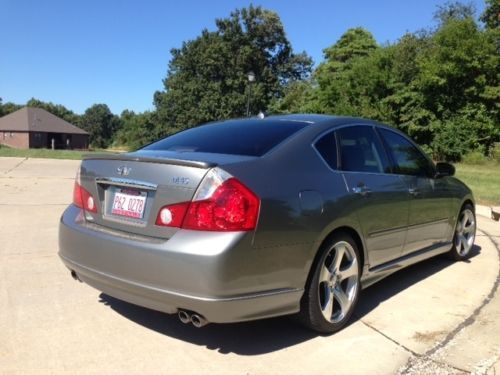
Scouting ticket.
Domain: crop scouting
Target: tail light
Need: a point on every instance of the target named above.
(221, 203)
(82, 198)
(173, 215)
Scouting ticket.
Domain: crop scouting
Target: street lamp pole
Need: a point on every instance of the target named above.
(251, 78)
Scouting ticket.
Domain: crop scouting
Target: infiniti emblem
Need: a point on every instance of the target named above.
(123, 170)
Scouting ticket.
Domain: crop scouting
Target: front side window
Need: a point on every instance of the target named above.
(361, 150)
(409, 160)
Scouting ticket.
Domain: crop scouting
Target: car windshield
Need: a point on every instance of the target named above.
(249, 137)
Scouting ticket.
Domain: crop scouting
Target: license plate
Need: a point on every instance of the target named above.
(129, 203)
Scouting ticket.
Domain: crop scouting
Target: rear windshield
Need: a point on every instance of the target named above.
(252, 138)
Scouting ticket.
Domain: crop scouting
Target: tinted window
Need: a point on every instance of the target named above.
(409, 160)
(328, 149)
(252, 138)
(361, 151)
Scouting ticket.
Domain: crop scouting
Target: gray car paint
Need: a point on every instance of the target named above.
(238, 276)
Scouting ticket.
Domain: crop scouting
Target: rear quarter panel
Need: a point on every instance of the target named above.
(302, 202)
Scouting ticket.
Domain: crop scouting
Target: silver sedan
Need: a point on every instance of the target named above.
(255, 218)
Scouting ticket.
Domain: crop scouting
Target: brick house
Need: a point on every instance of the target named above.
(36, 128)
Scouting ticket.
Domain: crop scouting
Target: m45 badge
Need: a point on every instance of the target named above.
(180, 180)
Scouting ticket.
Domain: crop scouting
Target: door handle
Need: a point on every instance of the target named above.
(361, 190)
(414, 191)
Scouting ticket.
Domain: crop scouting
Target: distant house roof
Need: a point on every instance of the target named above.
(29, 119)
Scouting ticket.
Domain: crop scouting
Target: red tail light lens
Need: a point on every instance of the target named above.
(232, 207)
(221, 203)
(172, 215)
(83, 199)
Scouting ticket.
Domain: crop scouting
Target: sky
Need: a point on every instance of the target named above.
(78, 53)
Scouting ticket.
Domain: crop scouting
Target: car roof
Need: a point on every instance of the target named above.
(310, 119)
(314, 123)
(322, 122)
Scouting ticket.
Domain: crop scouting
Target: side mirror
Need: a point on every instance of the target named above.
(444, 169)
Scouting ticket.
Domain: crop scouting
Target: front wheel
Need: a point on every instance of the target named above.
(333, 288)
(465, 234)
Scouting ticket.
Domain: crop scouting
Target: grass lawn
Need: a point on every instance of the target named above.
(42, 153)
(484, 180)
(46, 153)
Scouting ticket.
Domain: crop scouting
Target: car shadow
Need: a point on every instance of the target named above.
(269, 335)
(247, 338)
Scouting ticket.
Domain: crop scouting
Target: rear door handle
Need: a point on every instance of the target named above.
(414, 191)
(361, 190)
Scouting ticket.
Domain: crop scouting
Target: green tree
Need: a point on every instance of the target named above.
(357, 42)
(440, 86)
(8, 107)
(471, 129)
(101, 125)
(459, 79)
(56, 109)
(333, 76)
(491, 14)
(137, 129)
(207, 76)
(455, 10)
(404, 103)
(298, 97)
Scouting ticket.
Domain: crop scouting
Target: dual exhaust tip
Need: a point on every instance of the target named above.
(197, 320)
(185, 317)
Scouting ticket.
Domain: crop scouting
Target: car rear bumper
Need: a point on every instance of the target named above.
(203, 274)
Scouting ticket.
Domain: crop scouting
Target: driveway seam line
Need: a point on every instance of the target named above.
(17, 165)
(471, 318)
(390, 338)
(415, 354)
(444, 364)
(464, 324)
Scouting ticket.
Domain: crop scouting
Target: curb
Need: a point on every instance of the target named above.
(489, 212)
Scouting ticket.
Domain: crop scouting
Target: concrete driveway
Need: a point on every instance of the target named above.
(437, 316)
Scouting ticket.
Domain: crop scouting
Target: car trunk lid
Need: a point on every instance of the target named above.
(129, 189)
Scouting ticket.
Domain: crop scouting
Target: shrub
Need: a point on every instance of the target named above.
(495, 153)
(475, 157)
(428, 150)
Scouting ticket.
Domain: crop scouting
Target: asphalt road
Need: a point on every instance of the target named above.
(437, 316)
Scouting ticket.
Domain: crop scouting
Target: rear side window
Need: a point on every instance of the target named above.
(409, 160)
(251, 138)
(361, 150)
(328, 149)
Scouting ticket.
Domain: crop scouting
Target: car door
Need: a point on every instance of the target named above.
(429, 202)
(379, 198)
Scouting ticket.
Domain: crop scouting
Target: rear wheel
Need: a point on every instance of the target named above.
(333, 289)
(465, 234)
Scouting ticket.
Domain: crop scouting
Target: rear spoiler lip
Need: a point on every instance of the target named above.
(128, 157)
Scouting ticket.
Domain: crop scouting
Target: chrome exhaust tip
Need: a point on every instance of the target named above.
(184, 317)
(198, 321)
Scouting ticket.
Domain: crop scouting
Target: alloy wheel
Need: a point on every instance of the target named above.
(465, 232)
(338, 282)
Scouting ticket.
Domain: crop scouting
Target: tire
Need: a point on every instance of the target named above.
(465, 234)
(333, 286)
